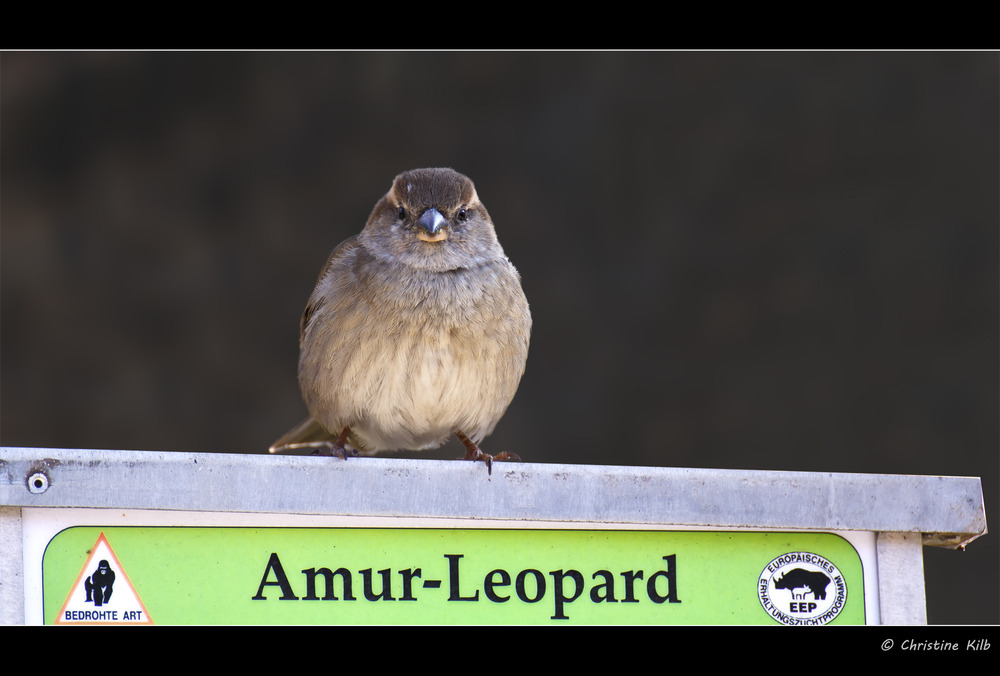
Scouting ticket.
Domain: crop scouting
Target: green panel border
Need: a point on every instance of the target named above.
(210, 575)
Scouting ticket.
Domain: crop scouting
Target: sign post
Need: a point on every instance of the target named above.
(135, 537)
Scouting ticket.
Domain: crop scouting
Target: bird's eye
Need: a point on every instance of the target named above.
(462, 215)
(401, 213)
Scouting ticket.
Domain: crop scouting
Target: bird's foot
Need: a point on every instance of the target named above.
(473, 452)
(327, 448)
(331, 448)
(321, 446)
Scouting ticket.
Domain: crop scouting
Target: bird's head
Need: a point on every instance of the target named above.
(432, 219)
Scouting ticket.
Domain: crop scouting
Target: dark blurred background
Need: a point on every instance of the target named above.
(781, 261)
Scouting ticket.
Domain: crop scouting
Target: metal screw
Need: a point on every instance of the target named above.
(38, 483)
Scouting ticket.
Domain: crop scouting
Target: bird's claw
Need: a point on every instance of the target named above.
(488, 459)
(473, 452)
(330, 449)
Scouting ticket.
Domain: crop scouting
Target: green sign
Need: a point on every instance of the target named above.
(246, 575)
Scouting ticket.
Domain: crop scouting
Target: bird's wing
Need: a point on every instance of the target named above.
(317, 298)
(309, 431)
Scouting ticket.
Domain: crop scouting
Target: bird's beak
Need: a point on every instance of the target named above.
(430, 226)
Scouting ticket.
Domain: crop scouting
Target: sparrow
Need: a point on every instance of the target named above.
(417, 329)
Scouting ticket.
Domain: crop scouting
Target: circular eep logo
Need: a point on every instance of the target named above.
(801, 588)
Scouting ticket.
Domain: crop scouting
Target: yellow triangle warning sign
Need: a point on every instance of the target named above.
(103, 594)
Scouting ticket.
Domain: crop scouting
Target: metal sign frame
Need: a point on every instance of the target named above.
(894, 515)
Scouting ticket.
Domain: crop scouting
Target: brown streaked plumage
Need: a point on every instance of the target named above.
(417, 329)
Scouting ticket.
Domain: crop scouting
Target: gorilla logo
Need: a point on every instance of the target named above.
(99, 584)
